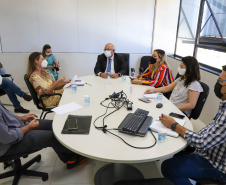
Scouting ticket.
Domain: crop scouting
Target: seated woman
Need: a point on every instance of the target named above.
(51, 59)
(158, 73)
(185, 89)
(42, 81)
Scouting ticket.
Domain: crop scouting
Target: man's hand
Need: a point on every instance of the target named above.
(116, 75)
(134, 81)
(33, 124)
(104, 75)
(28, 117)
(168, 121)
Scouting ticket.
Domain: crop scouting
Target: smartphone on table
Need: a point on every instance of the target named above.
(176, 115)
(144, 100)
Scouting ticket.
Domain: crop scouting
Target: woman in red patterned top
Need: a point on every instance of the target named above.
(158, 73)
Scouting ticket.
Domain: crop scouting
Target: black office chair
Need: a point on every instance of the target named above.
(156, 181)
(126, 59)
(38, 101)
(144, 62)
(195, 113)
(2, 93)
(19, 170)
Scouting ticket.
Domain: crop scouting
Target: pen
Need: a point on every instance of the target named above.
(88, 84)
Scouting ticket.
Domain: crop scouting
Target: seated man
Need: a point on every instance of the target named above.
(209, 159)
(25, 134)
(11, 90)
(110, 63)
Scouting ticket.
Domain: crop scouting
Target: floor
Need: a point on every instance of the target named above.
(58, 174)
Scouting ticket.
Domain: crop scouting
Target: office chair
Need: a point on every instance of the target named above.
(38, 101)
(2, 93)
(19, 170)
(156, 181)
(144, 62)
(208, 182)
(126, 59)
(195, 113)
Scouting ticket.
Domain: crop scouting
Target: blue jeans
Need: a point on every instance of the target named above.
(11, 90)
(179, 169)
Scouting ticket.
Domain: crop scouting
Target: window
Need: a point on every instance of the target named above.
(202, 32)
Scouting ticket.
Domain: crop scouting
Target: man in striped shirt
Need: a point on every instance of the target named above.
(209, 159)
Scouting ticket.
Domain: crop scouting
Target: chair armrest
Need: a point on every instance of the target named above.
(8, 76)
(47, 95)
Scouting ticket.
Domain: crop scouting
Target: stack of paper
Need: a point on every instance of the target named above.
(67, 108)
(151, 96)
(156, 125)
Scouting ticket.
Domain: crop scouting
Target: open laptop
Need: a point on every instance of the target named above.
(143, 129)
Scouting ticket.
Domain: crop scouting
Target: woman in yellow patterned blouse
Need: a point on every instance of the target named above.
(42, 81)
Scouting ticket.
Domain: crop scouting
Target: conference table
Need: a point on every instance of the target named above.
(107, 147)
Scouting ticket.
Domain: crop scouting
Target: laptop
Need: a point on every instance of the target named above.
(143, 129)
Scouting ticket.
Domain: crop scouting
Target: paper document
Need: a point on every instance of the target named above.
(73, 81)
(67, 108)
(156, 125)
(151, 96)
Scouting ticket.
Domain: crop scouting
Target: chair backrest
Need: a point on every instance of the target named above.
(195, 113)
(126, 59)
(144, 63)
(32, 92)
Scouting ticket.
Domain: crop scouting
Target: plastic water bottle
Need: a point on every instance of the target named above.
(123, 79)
(162, 135)
(86, 100)
(131, 89)
(74, 88)
(159, 98)
(109, 80)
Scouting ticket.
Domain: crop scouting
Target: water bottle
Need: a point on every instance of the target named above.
(86, 100)
(161, 135)
(159, 98)
(74, 88)
(123, 79)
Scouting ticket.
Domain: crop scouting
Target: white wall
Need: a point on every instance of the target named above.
(212, 104)
(166, 25)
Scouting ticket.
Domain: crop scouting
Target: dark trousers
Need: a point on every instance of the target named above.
(38, 139)
(179, 169)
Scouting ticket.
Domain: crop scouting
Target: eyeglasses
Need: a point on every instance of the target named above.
(108, 49)
(221, 79)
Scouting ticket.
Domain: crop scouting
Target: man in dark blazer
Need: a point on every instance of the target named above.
(110, 63)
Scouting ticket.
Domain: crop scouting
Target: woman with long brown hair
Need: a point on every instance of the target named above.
(185, 89)
(42, 81)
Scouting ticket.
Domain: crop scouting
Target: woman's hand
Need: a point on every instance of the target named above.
(134, 81)
(61, 80)
(149, 90)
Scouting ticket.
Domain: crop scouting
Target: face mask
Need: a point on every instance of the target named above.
(107, 53)
(48, 54)
(44, 64)
(181, 71)
(153, 60)
(217, 90)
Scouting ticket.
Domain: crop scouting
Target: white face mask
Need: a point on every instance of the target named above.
(107, 53)
(48, 54)
(44, 64)
(181, 71)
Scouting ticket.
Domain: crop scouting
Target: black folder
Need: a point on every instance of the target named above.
(77, 124)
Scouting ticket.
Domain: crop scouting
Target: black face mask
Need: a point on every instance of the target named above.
(217, 90)
(153, 60)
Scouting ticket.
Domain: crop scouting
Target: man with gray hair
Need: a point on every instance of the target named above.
(110, 63)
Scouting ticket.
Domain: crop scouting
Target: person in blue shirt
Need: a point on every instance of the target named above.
(25, 134)
(51, 59)
(209, 159)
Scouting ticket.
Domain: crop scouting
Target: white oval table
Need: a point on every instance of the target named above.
(104, 146)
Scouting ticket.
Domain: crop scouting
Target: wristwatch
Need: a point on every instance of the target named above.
(173, 127)
(119, 74)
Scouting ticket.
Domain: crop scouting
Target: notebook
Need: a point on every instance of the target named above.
(156, 125)
(151, 96)
(77, 124)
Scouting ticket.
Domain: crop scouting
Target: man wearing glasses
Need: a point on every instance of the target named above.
(110, 63)
(209, 159)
